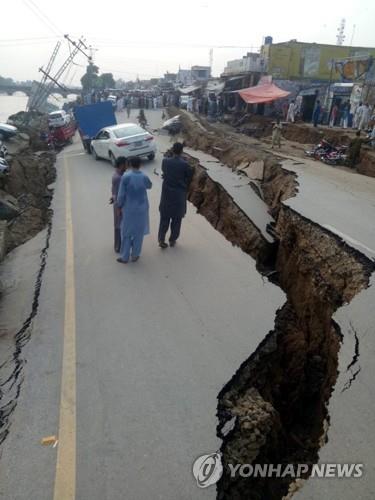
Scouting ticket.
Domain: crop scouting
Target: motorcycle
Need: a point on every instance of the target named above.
(327, 153)
(4, 167)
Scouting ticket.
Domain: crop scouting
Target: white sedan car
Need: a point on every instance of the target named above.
(127, 139)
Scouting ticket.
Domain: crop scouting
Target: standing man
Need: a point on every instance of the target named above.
(132, 202)
(354, 152)
(316, 114)
(276, 134)
(177, 175)
(365, 117)
(121, 164)
(334, 113)
(128, 106)
(291, 111)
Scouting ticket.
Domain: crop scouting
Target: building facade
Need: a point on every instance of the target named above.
(200, 73)
(252, 62)
(298, 60)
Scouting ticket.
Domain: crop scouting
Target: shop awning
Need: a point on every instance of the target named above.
(267, 92)
(189, 90)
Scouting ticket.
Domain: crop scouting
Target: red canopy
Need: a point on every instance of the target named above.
(266, 92)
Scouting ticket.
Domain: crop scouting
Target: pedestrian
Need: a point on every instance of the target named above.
(120, 168)
(316, 114)
(365, 117)
(357, 115)
(285, 110)
(334, 112)
(345, 114)
(177, 175)
(128, 106)
(291, 111)
(354, 151)
(190, 104)
(276, 134)
(142, 120)
(133, 207)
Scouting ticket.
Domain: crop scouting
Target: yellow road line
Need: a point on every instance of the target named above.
(65, 479)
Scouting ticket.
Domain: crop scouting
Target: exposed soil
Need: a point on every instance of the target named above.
(31, 172)
(275, 408)
(214, 203)
(256, 133)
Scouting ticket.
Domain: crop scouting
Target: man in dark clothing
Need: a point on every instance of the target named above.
(316, 114)
(177, 175)
(354, 151)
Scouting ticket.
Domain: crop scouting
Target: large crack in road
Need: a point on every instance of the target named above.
(13, 367)
(274, 410)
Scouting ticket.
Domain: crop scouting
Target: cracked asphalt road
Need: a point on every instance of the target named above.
(155, 343)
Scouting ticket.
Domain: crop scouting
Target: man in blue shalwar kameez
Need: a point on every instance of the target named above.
(133, 202)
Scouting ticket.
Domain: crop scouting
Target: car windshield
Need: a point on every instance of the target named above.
(56, 115)
(128, 131)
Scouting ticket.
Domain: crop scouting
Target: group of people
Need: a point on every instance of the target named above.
(131, 205)
(348, 115)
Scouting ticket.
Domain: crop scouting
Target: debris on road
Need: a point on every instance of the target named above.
(49, 441)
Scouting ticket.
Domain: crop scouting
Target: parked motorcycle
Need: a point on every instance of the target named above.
(4, 167)
(3, 150)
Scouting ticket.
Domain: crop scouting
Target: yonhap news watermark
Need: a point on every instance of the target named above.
(208, 469)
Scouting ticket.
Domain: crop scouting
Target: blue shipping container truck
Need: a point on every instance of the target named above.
(91, 118)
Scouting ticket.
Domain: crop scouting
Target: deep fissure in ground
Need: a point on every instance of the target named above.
(274, 410)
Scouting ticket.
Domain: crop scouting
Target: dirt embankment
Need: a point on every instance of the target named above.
(25, 188)
(299, 137)
(274, 410)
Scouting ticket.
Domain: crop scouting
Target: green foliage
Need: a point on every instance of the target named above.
(107, 81)
(6, 81)
(90, 80)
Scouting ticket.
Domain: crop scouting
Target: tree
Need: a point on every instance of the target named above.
(90, 80)
(107, 81)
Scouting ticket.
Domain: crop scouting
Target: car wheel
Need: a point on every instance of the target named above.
(94, 153)
(112, 158)
(151, 156)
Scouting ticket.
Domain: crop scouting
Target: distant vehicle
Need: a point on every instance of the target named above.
(184, 99)
(58, 118)
(60, 136)
(7, 131)
(91, 118)
(112, 99)
(127, 139)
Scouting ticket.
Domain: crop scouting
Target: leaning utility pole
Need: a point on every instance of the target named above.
(39, 90)
(79, 46)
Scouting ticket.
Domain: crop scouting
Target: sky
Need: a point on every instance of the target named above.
(146, 38)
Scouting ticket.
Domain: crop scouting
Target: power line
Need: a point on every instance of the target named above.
(45, 20)
(48, 19)
(28, 39)
(146, 44)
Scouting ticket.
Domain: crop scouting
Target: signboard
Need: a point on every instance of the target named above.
(311, 61)
(355, 68)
